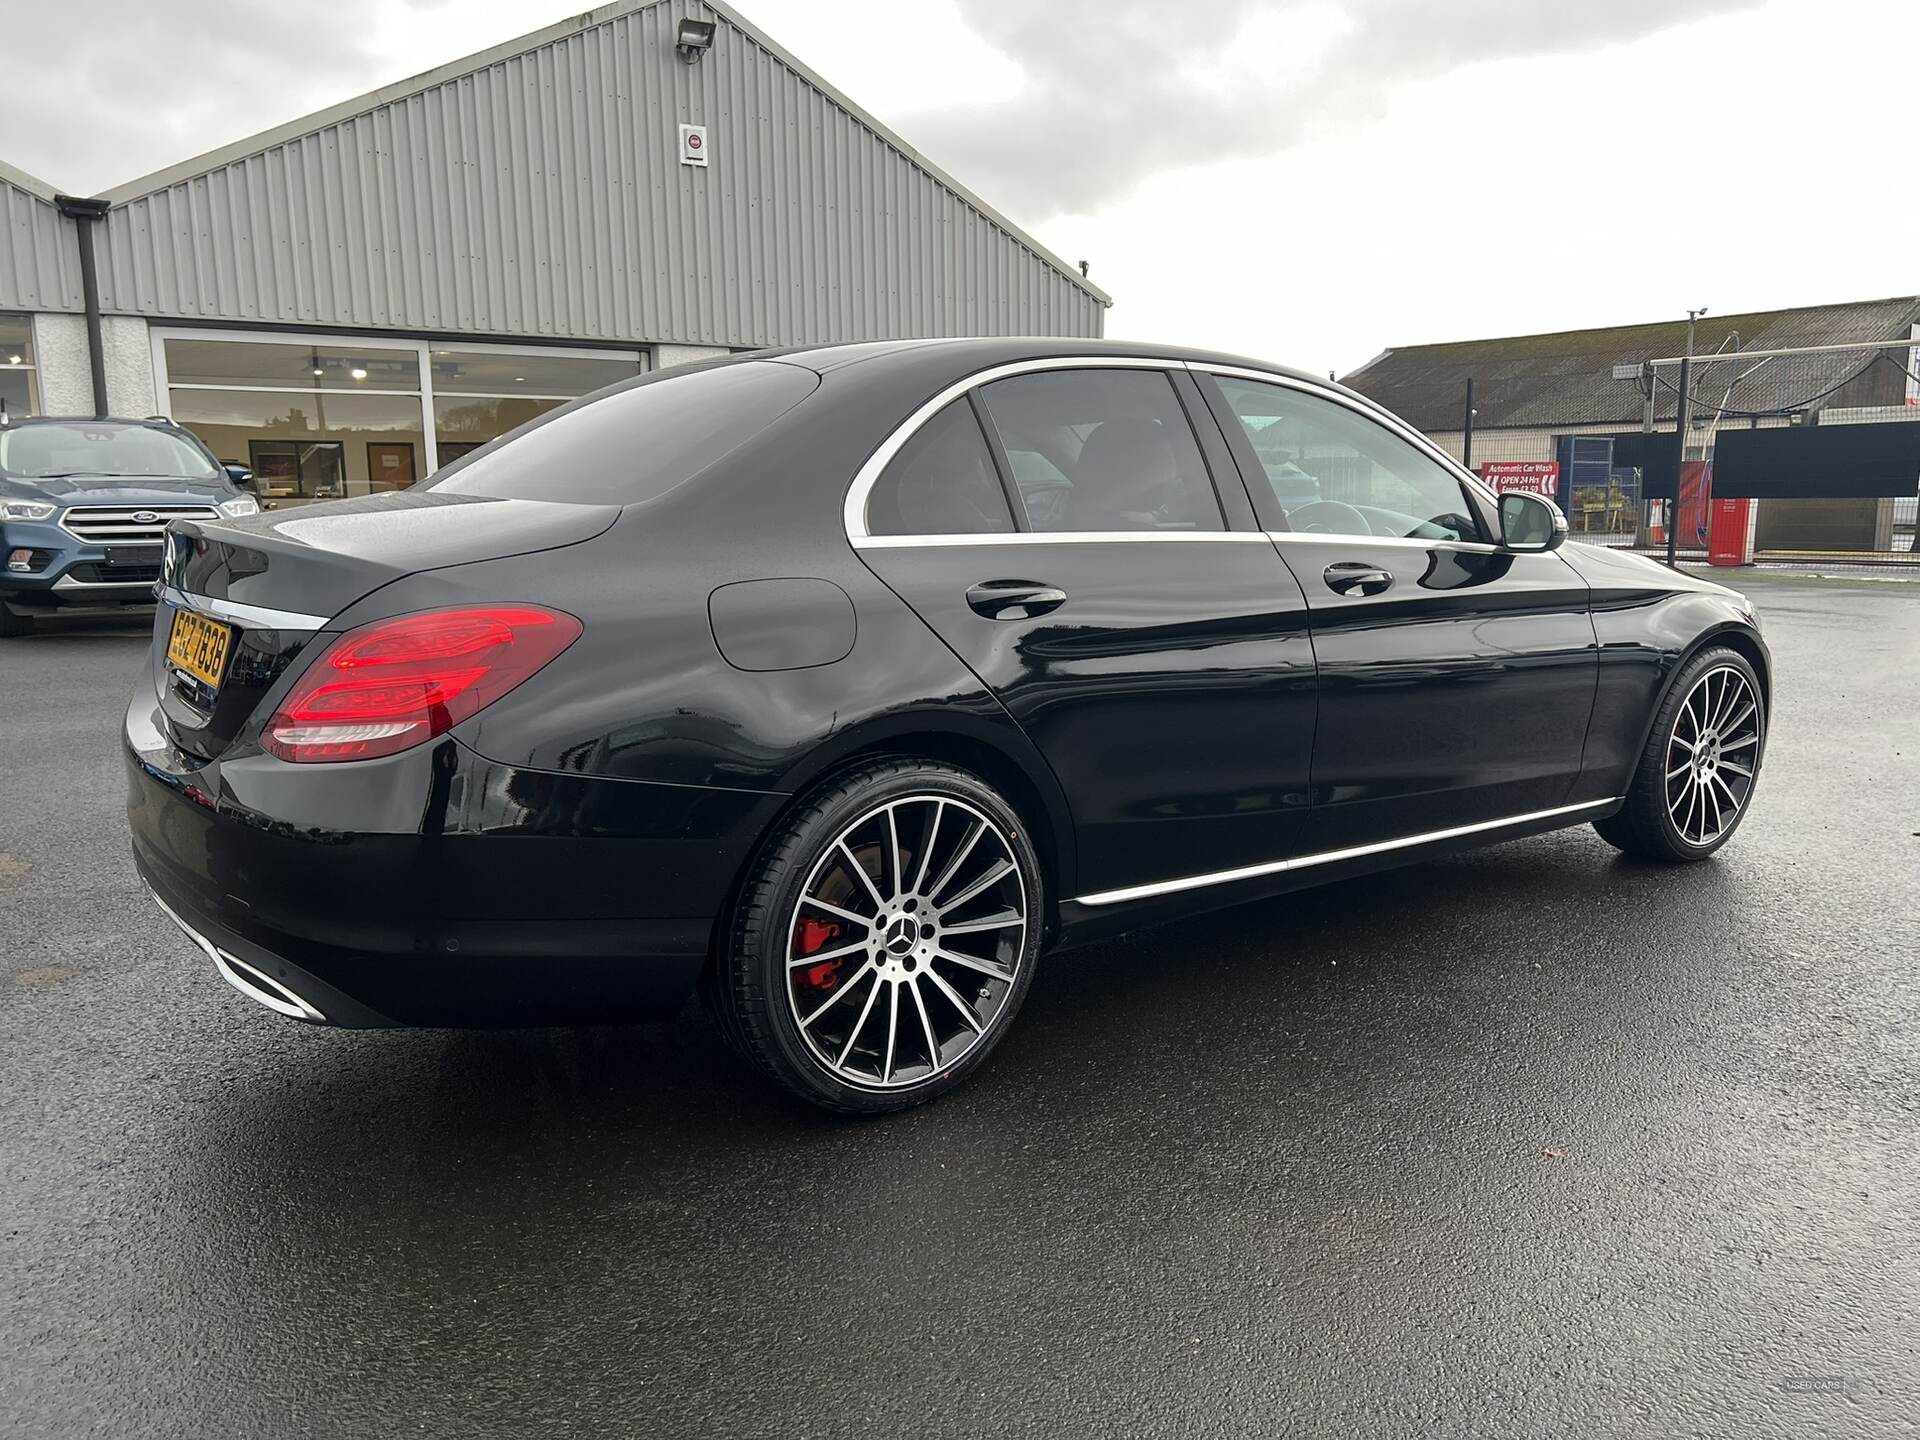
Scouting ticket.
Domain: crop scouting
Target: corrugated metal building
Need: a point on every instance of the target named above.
(348, 300)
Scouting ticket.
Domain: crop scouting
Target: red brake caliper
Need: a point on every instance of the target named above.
(814, 935)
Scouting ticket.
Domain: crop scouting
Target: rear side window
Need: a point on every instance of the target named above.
(1105, 449)
(632, 443)
(941, 483)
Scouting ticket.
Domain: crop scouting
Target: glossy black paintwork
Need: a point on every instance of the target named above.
(1462, 691)
(318, 559)
(1171, 693)
(1176, 714)
(785, 624)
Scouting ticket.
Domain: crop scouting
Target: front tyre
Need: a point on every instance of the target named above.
(884, 938)
(1702, 759)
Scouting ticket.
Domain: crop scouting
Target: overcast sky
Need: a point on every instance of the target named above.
(1306, 180)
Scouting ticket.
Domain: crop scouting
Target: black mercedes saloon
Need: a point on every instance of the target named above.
(838, 685)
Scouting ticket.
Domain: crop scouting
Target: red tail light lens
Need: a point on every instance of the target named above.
(394, 684)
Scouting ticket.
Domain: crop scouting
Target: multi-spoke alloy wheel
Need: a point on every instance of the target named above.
(1711, 755)
(906, 941)
(887, 939)
(1695, 779)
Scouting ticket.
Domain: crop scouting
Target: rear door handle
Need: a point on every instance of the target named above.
(1356, 577)
(1014, 599)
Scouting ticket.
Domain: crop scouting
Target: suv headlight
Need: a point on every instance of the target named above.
(26, 510)
(244, 505)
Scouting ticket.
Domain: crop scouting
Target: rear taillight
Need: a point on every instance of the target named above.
(394, 684)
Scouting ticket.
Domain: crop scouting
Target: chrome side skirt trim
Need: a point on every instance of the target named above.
(256, 985)
(258, 616)
(1060, 537)
(1327, 857)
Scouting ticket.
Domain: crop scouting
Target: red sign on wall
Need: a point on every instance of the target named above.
(1537, 477)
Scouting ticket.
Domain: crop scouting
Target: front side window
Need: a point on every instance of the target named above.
(941, 483)
(1331, 470)
(1102, 450)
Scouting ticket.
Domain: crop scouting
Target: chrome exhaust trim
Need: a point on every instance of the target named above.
(249, 980)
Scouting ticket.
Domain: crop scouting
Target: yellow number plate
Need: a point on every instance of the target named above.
(199, 646)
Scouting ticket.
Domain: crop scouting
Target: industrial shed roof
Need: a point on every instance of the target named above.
(1566, 378)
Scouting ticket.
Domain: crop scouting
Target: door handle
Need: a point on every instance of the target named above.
(1356, 577)
(1014, 599)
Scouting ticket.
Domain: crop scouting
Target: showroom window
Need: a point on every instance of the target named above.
(479, 395)
(19, 388)
(319, 417)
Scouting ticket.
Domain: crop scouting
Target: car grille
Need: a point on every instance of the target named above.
(116, 525)
(88, 573)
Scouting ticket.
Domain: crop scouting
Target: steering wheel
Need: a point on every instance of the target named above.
(1328, 517)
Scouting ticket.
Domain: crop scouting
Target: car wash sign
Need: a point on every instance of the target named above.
(1536, 477)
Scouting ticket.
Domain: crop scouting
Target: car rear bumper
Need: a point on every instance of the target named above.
(436, 887)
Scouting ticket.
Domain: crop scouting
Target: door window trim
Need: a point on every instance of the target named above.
(853, 513)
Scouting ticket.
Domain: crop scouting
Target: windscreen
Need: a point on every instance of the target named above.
(635, 442)
(49, 452)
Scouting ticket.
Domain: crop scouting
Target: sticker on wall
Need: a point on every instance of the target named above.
(693, 145)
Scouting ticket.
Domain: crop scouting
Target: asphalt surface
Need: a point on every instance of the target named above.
(1531, 1142)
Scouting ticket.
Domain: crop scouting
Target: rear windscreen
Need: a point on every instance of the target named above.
(632, 443)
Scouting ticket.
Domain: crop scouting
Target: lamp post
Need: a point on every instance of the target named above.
(1683, 422)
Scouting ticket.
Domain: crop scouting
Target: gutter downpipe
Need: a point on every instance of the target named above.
(84, 213)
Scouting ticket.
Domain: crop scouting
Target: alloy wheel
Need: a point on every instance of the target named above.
(1713, 755)
(906, 941)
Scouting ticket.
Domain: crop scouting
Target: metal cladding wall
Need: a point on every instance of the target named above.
(39, 266)
(541, 195)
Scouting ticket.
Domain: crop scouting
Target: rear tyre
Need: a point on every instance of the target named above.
(1696, 776)
(13, 623)
(884, 938)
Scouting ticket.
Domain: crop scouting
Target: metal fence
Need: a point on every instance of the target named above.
(1832, 496)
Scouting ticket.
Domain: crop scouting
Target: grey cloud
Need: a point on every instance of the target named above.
(118, 88)
(1106, 103)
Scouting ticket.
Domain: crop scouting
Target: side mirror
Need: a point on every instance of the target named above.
(1530, 522)
(239, 474)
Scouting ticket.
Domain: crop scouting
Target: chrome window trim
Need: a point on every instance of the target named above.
(234, 612)
(1327, 857)
(853, 512)
(1383, 418)
(1403, 542)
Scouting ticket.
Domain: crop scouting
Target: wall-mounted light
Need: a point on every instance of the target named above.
(693, 39)
(318, 371)
(357, 373)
